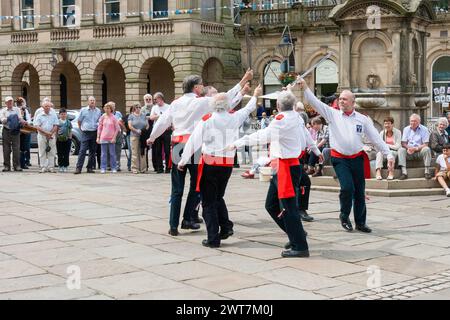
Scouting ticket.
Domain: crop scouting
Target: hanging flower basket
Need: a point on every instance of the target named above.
(287, 78)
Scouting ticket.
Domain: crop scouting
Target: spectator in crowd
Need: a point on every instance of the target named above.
(137, 121)
(148, 105)
(88, 124)
(300, 108)
(448, 119)
(439, 136)
(260, 110)
(442, 171)
(108, 129)
(264, 121)
(25, 135)
(162, 143)
(41, 108)
(393, 138)
(47, 125)
(119, 140)
(128, 131)
(322, 141)
(11, 118)
(415, 140)
(63, 140)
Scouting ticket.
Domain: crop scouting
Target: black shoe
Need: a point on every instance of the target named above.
(25, 167)
(363, 228)
(18, 169)
(173, 232)
(118, 169)
(90, 171)
(427, 176)
(160, 171)
(295, 254)
(28, 164)
(189, 225)
(6, 170)
(198, 220)
(167, 171)
(403, 177)
(226, 234)
(77, 171)
(305, 216)
(346, 223)
(205, 243)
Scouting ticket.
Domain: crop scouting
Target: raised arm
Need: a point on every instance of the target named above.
(244, 113)
(324, 110)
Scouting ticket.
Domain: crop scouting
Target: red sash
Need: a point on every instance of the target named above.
(176, 140)
(211, 161)
(302, 155)
(336, 154)
(283, 167)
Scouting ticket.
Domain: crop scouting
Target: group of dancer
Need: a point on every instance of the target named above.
(205, 139)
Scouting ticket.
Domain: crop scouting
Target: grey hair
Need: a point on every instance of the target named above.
(286, 101)
(442, 120)
(189, 83)
(220, 103)
(147, 95)
(415, 115)
(159, 95)
(299, 107)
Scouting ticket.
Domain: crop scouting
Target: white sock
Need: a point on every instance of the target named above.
(404, 170)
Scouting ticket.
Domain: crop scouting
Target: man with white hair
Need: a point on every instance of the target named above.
(46, 124)
(287, 141)
(212, 135)
(415, 141)
(184, 113)
(350, 162)
(148, 104)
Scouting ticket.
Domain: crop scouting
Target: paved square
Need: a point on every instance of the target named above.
(114, 228)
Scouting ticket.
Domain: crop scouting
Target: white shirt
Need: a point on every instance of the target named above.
(285, 134)
(46, 121)
(185, 112)
(346, 132)
(215, 133)
(158, 111)
(41, 111)
(441, 161)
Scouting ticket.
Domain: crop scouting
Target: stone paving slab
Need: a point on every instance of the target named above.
(120, 242)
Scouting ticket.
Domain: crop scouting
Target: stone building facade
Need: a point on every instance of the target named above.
(394, 67)
(113, 50)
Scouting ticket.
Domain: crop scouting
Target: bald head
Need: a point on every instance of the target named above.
(347, 101)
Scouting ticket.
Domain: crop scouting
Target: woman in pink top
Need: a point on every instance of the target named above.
(108, 128)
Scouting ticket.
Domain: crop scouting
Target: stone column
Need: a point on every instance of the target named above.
(345, 61)
(396, 57)
(87, 89)
(15, 11)
(145, 8)
(133, 91)
(133, 11)
(99, 11)
(45, 88)
(54, 10)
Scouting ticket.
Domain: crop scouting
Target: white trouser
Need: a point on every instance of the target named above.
(46, 158)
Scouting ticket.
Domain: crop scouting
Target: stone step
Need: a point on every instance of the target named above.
(389, 193)
(413, 183)
(412, 172)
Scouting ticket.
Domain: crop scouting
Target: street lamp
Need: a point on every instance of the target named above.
(285, 47)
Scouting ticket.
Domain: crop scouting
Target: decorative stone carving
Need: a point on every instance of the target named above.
(413, 79)
(360, 11)
(373, 80)
(371, 102)
(421, 102)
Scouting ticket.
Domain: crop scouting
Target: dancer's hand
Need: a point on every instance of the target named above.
(181, 166)
(149, 142)
(258, 91)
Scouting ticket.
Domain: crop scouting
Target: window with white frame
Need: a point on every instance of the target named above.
(27, 13)
(112, 11)
(159, 9)
(68, 13)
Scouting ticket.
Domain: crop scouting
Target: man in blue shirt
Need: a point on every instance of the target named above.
(415, 141)
(88, 123)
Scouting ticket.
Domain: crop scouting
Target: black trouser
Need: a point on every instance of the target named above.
(304, 190)
(162, 142)
(290, 221)
(350, 173)
(212, 188)
(63, 149)
(178, 180)
(88, 142)
(25, 146)
(11, 142)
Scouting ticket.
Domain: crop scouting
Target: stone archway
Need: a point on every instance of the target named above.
(212, 74)
(65, 86)
(157, 75)
(109, 83)
(25, 82)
